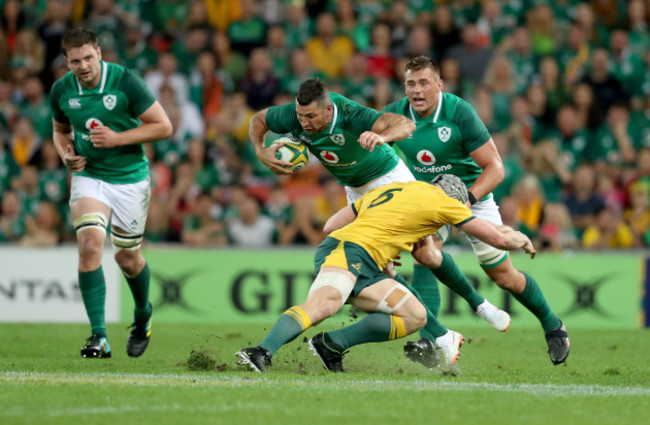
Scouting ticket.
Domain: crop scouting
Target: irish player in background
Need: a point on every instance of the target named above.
(350, 140)
(370, 234)
(451, 139)
(102, 114)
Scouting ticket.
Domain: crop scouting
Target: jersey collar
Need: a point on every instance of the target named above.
(102, 82)
(436, 114)
(335, 116)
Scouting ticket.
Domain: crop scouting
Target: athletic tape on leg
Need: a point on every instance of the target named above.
(121, 241)
(394, 299)
(338, 281)
(95, 220)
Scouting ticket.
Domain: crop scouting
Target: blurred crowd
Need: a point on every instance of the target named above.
(563, 86)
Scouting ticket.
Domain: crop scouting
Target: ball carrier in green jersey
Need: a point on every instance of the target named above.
(451, 139)
(350, 140)
(102, 113)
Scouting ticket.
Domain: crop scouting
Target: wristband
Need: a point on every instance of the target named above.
(471, 198)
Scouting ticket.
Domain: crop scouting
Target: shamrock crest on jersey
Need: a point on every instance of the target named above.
(444, 133)
(110, 100)
(337, 139)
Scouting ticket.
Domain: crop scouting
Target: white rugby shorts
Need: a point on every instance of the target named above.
(399, 174)
(129, 203)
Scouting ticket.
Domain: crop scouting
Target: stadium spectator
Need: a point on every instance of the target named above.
(637, 216)
(187, 49)
(550, 79)
(231, 62)
(608, 231)
(251, 229)
(471, 56)
(543, 31)
(44, 229)
(521, 57)
(607, 89)
(329, 52)
(25, 143)
(445, 33)
(166, 74)
(247, 32)
(380, 59)
(207, 88)
(201, 228)
(36, 107)
(259, 84)
(556, 232)
(12, 222)
(583, 201)
(356, 30)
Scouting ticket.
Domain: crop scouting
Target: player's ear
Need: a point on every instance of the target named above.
(99, 52)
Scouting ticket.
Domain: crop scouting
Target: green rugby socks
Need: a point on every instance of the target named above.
(424, 281)
(93, 292)
(139, 286)
(533, 299)
(375, 327)
(449, 274)
(290, 324)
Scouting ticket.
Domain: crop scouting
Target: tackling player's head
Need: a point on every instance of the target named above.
(313, 106)
(82, 55)
(452, 185)
(422, 84)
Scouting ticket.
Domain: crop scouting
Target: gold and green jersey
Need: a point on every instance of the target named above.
(116, 102)
(391, 218)
(443, 141)
(337, 146)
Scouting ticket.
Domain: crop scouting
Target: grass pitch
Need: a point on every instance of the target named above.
(189, 375)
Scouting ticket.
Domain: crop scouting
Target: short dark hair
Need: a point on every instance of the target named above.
(419, 63)
(78, 37)
(313, 90)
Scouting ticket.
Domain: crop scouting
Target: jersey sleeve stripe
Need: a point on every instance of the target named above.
(464, 221)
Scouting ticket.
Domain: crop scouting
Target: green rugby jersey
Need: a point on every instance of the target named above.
(116, 102)
(337, 146)
(442, 141)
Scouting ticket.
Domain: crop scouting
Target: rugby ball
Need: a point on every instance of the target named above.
(293, 151)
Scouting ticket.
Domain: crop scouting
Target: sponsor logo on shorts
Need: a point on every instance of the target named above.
(426, 157)
(74, 103)
(110, 100)
(93, 123)
(444, 133)
(357, 267)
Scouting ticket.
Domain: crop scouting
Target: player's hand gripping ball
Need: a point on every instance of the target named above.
(293, 151)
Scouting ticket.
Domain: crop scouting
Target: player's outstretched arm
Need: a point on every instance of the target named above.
(155, 126)
(503, 237)
(388, 128)
(341, 218)
(65, 147)
(257, 129)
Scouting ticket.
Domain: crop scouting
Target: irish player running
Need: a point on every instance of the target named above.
(371, 233)
(102, 113)
(451, 139)
(350, 141)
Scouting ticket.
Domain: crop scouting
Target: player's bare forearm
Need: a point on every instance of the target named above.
(393, 127)
(487, 157)
(257, 129)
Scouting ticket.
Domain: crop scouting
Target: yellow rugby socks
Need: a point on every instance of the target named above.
(288, 326)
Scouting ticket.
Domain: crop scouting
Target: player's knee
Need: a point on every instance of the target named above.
(91, 231)
(509, 279)
(130, 262)
(431, 257)
(417, 318)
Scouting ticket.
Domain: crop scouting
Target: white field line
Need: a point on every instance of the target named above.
(258, 381)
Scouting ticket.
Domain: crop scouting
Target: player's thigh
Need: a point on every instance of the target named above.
(387, 296)
(86, 198)
(130, 204)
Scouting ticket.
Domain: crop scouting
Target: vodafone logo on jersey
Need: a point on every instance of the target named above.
(425, 157)
(329, 157)
(93, 123)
